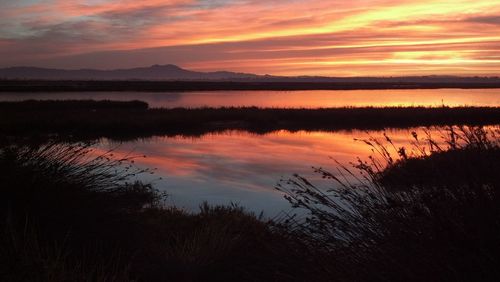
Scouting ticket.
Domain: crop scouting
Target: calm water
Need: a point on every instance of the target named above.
(288, 99)
(243, 168)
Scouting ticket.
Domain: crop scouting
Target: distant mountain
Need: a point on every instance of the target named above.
(155, 72)
(173, 72)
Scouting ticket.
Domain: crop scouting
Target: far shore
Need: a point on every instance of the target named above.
(185, 86)
(87, 119)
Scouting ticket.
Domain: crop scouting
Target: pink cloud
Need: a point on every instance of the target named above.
(279, 37)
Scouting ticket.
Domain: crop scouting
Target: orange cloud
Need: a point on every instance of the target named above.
(286, 37)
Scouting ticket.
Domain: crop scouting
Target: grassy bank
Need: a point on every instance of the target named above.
(91, 119)
(67, 214)
(162, 86)
(425, 213)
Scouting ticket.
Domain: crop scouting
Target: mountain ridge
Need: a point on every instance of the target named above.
(171, 72)
(154, 72)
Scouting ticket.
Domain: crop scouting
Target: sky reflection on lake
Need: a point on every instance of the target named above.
(243, 168)
(287, 99)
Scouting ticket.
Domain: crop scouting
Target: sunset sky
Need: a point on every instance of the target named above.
(282, 37)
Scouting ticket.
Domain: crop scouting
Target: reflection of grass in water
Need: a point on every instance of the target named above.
(122, 120)
(432, 215)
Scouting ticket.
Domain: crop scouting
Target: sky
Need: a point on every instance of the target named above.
(280, 37)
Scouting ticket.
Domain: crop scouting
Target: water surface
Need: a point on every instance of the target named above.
(243, 168)
(240, 167)
(287, 99)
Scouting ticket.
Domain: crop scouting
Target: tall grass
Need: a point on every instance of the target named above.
(427, 214)
(70, 214)
(62, 210)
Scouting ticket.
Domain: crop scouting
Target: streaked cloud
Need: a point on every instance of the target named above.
(290, 37)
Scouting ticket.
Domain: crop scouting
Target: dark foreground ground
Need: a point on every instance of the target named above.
(122, 120)
(66, 215)
(160, 86)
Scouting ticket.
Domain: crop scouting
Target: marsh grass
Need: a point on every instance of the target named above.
(26, 257)
(129, 120)
(426, 213)
(63, 209)
(69, 213)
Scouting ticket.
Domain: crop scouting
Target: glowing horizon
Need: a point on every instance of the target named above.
(289, 37)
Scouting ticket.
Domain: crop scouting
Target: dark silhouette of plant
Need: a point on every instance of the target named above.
(430, 213)
(69, 213)
(61, 202)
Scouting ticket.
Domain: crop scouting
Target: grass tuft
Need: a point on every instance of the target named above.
(433, 214)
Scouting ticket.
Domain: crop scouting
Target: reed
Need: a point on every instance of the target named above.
(71, 213)
(424, 213)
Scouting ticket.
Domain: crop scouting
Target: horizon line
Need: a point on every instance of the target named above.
(248, 73)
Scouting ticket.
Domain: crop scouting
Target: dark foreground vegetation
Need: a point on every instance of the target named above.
(123, 120)
(426, 213)
(68, 214)
(161, 86)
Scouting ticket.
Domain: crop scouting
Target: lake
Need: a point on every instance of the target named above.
(243, 168)
(287, 99)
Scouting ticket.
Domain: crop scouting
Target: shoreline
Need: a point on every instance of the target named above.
(187, 86)
(88, 119)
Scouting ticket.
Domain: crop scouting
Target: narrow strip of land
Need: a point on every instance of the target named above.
(124, 120)
(164, 86)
